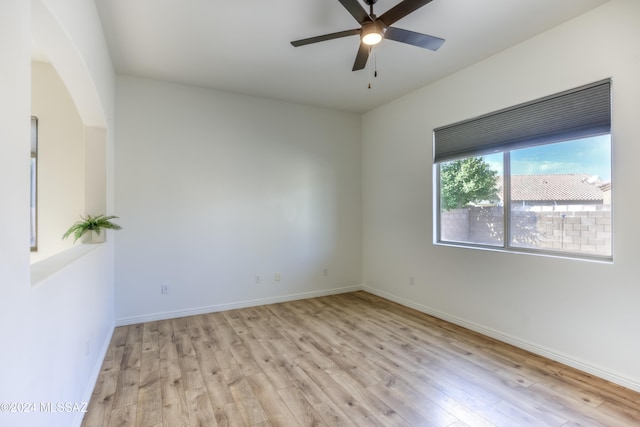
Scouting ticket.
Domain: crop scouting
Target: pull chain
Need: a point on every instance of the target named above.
(375, 65)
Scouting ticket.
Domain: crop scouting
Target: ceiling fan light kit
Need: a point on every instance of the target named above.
(372, 33)
(373, 29)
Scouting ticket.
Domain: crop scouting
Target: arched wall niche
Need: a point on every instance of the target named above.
(73, 178)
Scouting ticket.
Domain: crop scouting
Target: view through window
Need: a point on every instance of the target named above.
(559, 198)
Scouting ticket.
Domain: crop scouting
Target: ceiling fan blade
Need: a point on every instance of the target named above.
(356, 10)
(325, 37)
(361, 57)
(401, 10)
(416, 39)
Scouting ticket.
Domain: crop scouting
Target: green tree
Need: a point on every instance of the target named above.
(470, 180)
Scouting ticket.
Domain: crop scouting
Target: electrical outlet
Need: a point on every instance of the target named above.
(87, 348)
(326, 272)
(164, 289)
(277, 277)
(257, 279)
(412, 281)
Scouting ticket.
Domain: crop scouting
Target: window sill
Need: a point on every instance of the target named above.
(47, 267)
(523, 251)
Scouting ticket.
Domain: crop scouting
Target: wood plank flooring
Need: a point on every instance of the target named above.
(346, 360)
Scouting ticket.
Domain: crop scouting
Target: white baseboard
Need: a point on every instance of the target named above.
(231, 306)
(541, 351)
(95, 373)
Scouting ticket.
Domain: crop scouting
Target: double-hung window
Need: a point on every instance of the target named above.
(531, 178)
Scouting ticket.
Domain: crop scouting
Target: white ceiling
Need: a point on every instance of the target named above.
(243, 46)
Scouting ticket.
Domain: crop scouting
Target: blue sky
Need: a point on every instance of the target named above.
(590, 155)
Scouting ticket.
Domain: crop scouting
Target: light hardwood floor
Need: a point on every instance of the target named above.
(345, 360)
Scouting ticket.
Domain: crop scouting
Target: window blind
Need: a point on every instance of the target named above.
(578, 113)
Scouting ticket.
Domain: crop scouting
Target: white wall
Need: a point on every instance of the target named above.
(96, 170)
(61, 160)
(46, 327)
(15, 86)
(214, 188)
(582, 313)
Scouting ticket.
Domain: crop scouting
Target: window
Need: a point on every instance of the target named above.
(532, 178)
(34, 184)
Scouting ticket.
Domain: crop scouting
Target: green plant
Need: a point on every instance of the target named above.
(470, 180)
(91, 223)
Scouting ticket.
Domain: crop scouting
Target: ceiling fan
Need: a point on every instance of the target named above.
(373, 29)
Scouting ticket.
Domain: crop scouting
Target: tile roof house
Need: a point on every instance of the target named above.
(557, 189)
